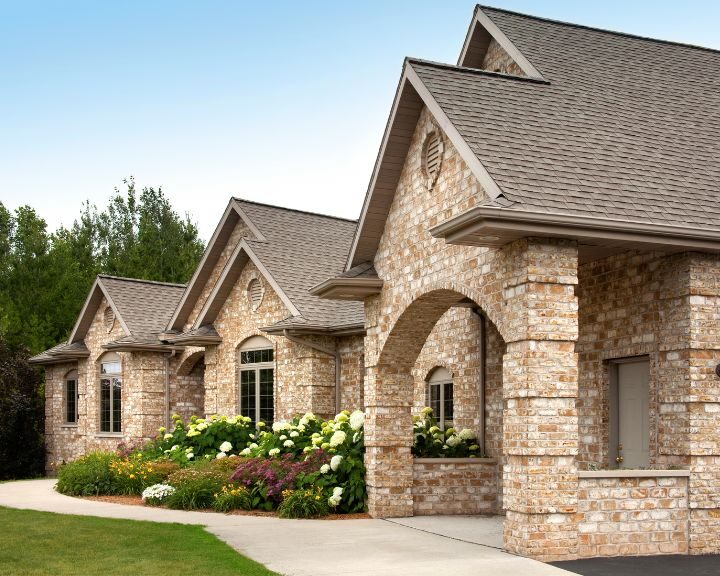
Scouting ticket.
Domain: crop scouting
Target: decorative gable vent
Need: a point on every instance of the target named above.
(432, 157)
(109, 318)
(255, 293)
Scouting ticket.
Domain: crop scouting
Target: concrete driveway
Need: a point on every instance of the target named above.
(321, 547)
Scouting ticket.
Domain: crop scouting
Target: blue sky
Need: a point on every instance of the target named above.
(280, 102)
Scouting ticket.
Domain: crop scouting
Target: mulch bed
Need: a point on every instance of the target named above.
(137, 501)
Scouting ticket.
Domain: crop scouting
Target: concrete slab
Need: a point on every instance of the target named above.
(310, 547)
(484, 530)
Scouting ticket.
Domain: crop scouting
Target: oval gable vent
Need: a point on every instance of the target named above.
(432, 157)
(109, 318)
(255, 293)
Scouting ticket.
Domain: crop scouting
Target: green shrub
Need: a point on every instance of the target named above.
(432, 442)
(195, 487)
(231, 497)
(304, 503)
(90, 475)
(133, 475)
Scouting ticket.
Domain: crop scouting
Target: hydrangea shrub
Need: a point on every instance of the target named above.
(432, 442)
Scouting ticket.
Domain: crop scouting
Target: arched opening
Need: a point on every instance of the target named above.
(111, 393)
(256, 377)
(446, 337)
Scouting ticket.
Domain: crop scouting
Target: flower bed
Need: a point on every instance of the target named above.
(304, 468)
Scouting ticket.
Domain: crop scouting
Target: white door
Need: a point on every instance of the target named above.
(634, 414)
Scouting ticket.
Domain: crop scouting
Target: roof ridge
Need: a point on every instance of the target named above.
(237, 199)
(141, 280)
(595, 29)
(478, 71)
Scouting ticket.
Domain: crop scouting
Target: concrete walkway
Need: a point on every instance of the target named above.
(320, 547)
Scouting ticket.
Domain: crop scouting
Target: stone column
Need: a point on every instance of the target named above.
(388, 428)
(540, 386)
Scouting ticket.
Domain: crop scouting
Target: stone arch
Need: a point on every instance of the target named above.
(189, 363)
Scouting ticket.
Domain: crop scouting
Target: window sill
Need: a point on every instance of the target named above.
(109, 435)
(69, 426)
(629, 473)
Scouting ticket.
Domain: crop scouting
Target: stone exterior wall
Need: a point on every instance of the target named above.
(352, 357)
(497, 60)
(454, 486)
(187, 386)
(526, 289)
(633, 516)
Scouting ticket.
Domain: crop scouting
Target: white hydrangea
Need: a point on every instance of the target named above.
(176, 447)
(335, 462)
(336, 497)
(225, 446)
(167, 436)
(245, 452)
(253, 446)
(337, 438)
(157, 492)
(340, 418)
(280, 426)
(325, 468)
(220, 455)
(357, 420)
(190, 455)
(288, 443)
(202, 426)
(453, 441)
(283, 437)
(294, 434)
(273, 451)
(466, 434)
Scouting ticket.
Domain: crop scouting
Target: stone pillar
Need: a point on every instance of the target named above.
(540, 386)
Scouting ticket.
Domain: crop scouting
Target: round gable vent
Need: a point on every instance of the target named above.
(432, 157)
(255, 293)
(109, 318)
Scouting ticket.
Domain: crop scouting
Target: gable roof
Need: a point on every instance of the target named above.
(299, 250)
(142, 307)
(612, 127)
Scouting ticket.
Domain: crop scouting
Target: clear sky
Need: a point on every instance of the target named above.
(279, 102)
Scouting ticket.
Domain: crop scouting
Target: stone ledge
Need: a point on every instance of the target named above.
(454, 461)
(633, 473)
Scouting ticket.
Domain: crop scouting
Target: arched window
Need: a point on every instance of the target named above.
(110, 393)
(257, 379)
(440, 396)
(70, 397)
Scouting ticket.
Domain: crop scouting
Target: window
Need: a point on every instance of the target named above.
(111, 394)
(257, 380)
(440, 396)
(70, 397)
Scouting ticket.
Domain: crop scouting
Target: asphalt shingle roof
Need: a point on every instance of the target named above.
(626, 128)
(302, 249)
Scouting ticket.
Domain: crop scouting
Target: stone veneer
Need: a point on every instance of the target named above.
(633, 513)
(454, 486)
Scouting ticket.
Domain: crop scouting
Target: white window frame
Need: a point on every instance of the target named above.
(256, 344)
(440, 376)
(113, 377)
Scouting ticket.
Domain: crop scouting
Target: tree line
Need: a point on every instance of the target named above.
(44, 279)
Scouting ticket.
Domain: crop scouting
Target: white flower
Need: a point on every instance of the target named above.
(220, 456)
(176, 447)
(294, 434)
(190, 455)
(453, 441)
(283, 437)
(340, 418)
(245, 452)
(288, 443)
(274, 451)
(333, 502)
(466, 434)
(225, 446)
(335, 462)
(157, 492)
(357, 419)
(336, 497)
(324, 469)
(337, 438)
(280, 426)
(318, 440)
(202, 426)
(337, 491)
(167, 436)
(253, 446)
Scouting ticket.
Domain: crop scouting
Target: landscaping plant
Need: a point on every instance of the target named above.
(432, 442)
(310, 502)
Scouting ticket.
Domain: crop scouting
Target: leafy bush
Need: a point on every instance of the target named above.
(432, 442)
(22, 450)
(133, 475)
(90, 475)
(304, 503)
(231, 497)
(195, 487)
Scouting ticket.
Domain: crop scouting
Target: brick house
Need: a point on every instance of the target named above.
(536, 258)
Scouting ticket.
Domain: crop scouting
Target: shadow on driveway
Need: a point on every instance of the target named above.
(645, 566)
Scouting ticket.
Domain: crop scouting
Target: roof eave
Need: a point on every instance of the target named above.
(495, 227)
(141, 347)
(309, 330)
(341, 288)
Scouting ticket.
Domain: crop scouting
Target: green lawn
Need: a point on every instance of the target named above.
(41, 543)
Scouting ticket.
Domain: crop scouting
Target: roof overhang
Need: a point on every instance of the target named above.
(316, 330)
(341, 288)
(140, 347)
(482, 29)
(494, 227)
(190, 339)
(58, 357)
